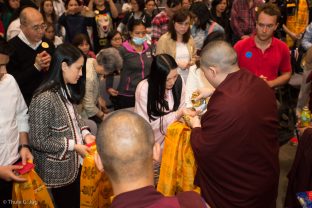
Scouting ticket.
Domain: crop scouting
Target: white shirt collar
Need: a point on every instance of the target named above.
(22, 36)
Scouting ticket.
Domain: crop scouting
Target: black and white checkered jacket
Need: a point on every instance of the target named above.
(51, 127)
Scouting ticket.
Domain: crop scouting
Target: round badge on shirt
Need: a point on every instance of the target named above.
(248, 54)
(45, 45)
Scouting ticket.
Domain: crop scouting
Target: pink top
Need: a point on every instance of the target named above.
(141, 109)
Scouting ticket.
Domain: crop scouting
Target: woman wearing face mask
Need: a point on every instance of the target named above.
(137, 59)
(178, 42)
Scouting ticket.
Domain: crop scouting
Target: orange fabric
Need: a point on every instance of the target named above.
(32, 193)
(298, 22)
(95, 188)
(178, 165)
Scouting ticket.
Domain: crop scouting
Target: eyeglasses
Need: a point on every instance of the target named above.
(41, 27)
(262, 26)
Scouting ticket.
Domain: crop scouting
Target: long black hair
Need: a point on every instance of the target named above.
(202, 13)
(157, 105)
(55, 81)
(53, 15)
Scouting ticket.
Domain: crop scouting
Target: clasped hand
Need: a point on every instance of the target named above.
(194, 120)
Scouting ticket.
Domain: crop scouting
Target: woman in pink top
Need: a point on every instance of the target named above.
(160, 98)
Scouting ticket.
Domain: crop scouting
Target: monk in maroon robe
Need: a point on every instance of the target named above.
(126, 145)
(235, 143)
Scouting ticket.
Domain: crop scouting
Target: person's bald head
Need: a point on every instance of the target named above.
(218, 53)
(32, 24)
(217, 60)
(125, 144)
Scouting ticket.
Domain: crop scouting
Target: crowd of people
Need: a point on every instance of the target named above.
(55, 54)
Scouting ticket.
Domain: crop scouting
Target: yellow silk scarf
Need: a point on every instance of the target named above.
(178, 165)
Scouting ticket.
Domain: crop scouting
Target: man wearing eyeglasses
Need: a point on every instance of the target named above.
(262, 54)
(31, 58)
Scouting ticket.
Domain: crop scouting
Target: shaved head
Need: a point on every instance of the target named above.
(218, 53)
(28, 14)
(32, 24)
(125, 144)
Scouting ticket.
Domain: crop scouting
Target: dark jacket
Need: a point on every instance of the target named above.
(51, 128)
(21, 66)
(136, 67)
(75, 24)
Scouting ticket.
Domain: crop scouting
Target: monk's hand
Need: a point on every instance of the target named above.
(194, 122)
(203, 93)
(189, 112)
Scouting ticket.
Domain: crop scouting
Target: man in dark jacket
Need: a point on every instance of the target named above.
(32, 53)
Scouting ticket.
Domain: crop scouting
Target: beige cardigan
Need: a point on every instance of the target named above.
(89, 108)
(167, 45)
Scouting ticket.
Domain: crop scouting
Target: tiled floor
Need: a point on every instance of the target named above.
(286, 156)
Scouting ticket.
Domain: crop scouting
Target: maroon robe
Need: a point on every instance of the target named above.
(148, 197)
(236, 148)
(300, 174)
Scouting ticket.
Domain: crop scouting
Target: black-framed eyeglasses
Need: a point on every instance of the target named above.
(41, 27)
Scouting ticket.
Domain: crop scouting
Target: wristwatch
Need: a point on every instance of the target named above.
(22, 146)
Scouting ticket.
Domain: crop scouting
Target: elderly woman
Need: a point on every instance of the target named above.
(106, 63)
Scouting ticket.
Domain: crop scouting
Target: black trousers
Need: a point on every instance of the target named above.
(124, 102)
(68, 196)
(6, 194)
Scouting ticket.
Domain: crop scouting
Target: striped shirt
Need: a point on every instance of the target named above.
(159, 26)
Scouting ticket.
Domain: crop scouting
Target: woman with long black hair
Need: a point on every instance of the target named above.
(160, 98)
(220, 15)
(203, 24)
(57, 134)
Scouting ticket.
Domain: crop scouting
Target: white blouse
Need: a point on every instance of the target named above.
(196, 79)
(13, 119)
(182, 55)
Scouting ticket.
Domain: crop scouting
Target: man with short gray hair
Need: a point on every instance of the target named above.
(235, 142)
